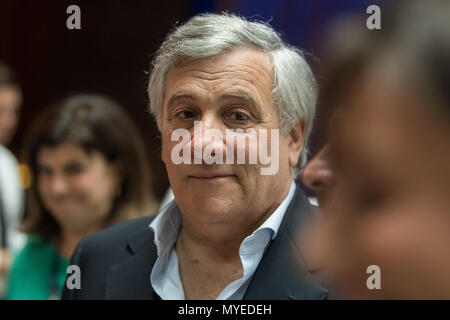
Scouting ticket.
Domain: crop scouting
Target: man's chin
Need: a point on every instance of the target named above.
(212, 196)
(215, 187)
(214, 208)
(212, 180)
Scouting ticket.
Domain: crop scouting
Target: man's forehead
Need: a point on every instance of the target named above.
(249, 59)
(239, 73)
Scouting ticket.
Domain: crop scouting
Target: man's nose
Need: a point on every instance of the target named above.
(318, 174)
(209, 137)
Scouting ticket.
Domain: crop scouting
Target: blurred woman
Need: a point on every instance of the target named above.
(384, 176)
(90, 171)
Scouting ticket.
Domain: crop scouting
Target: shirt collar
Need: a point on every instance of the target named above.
(274, 221)
(167, 223)
(166, 226)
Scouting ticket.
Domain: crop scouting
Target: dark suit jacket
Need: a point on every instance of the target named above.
(116, 263)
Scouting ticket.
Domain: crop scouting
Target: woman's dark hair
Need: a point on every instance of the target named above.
(95, 123)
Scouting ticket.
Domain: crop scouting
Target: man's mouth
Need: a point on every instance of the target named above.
(210, 176)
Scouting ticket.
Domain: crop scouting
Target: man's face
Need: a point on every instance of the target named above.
(228, 91)
(389, 202)
(10, 101)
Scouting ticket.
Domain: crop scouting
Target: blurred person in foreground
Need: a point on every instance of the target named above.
(90, 171)
(384, 176)
(11, 192)
(228, 232)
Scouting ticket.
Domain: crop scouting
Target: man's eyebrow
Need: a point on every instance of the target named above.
(231, 95)
(240, 96)
(179, 95)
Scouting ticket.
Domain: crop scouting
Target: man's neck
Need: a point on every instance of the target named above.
(219, 242)
(195, 244)
(208, 254)
(206, 268)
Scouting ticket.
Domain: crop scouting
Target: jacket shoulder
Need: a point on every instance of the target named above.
(118, 233)
(96, 254)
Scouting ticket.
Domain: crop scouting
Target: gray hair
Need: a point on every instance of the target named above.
(205, 35)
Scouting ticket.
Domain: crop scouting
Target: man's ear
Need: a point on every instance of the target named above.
(296, 142)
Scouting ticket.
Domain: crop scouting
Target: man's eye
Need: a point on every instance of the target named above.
(238, 116)
(185, 114)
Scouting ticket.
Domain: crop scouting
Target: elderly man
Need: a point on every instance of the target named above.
(230, 232)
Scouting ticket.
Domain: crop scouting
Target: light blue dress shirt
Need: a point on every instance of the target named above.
(165, 277)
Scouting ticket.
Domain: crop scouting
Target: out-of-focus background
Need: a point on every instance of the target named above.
(112, 51)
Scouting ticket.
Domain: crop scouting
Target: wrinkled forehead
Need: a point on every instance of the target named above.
(225, 64)
(240, 51)
(240, 72)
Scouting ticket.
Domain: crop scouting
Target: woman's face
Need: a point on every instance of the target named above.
(76, 187)
(388, 203)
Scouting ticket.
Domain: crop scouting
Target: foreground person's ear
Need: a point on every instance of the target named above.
(317, 174)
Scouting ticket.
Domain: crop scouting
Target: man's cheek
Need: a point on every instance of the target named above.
(166, 149)
(166, 156)
(163, 156)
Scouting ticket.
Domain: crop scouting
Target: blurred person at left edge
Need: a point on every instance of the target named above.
(90, 171)
(11, 191)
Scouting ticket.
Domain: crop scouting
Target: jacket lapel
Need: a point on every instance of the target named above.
(282, 273)
(130, 280)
